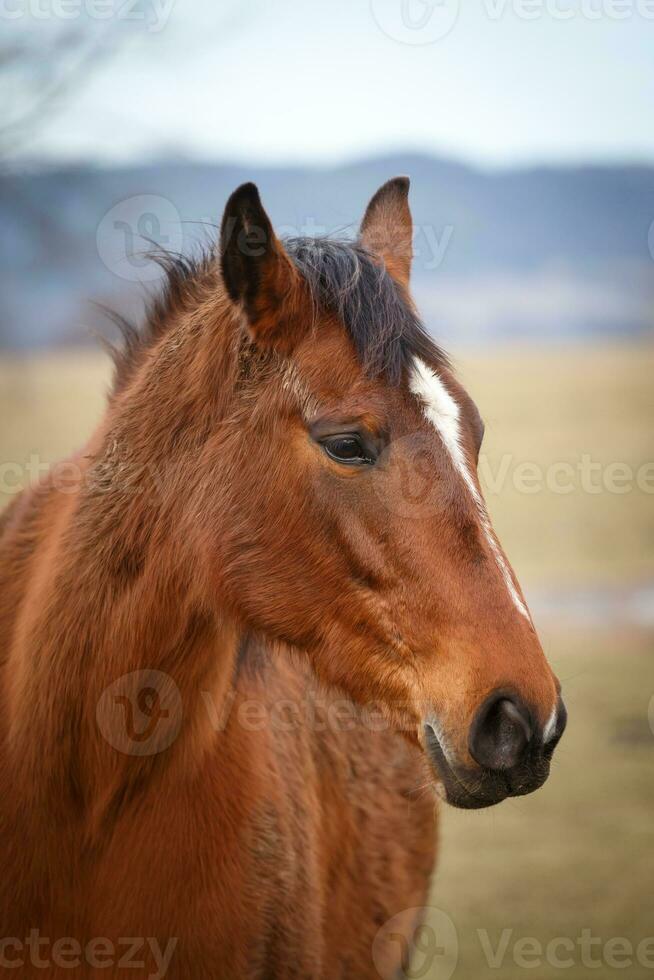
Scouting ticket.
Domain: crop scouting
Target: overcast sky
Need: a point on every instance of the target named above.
(496, 82)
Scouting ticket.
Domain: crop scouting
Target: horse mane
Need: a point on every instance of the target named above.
(343, 278)
(185, 282)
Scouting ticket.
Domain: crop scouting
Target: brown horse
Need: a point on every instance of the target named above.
(268, 610)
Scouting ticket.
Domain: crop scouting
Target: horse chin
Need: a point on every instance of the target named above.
(451, 789)
(470, 789)
(458, 795)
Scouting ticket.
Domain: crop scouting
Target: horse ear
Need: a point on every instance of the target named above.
(387, 228)
(257, 272)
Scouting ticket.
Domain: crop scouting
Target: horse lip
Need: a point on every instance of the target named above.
(455, 790)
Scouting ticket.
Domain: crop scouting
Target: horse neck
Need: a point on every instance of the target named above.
(116, 585)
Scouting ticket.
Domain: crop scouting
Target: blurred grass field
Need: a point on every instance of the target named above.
(579, 854)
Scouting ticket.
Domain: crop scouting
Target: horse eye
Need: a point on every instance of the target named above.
(346, 449)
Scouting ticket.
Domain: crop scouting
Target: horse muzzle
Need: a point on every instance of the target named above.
(511, 753)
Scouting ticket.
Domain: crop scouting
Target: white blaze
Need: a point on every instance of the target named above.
(443, 412)
(548, 731)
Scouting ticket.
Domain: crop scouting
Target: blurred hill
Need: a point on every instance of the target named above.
(530, 253)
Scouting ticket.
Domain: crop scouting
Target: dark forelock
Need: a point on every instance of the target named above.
(344, 278)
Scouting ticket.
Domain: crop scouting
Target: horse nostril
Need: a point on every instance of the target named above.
(500, 733)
